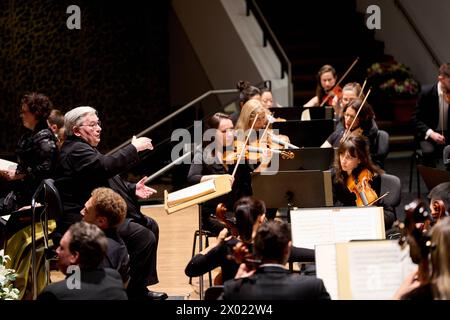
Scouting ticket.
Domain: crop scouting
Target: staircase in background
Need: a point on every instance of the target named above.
(328, 32)
(318, 33)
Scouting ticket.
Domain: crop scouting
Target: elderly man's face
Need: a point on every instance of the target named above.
(89, 130)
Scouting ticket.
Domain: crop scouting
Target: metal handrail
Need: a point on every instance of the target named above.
(173, 114)
(268, 35)
(419, 34)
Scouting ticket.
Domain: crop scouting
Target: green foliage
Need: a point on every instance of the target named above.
(7, 277)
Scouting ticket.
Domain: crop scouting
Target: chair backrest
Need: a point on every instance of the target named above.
(446, 155)
(53, 204)
(381, 147)
(213, 293)
(382, 144)
(391, 184)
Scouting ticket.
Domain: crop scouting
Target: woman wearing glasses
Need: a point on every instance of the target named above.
(363, 124)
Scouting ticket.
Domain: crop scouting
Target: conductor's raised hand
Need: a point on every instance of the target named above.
(142, 191)
(142, 143)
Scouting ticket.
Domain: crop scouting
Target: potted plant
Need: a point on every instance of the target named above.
(7, 277)
(395, 87)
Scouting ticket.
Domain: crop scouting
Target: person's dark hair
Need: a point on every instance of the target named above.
(444, 70)
(247, 210)
(271, 241)
(90, 243)
(39, 105)
(441, 192)
(213, 122)
(358, 147)
(365, 116)
(56, 117)
(246, 91)
(320, 92)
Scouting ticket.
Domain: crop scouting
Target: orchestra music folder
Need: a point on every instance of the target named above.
(196, 194)
(363, 270)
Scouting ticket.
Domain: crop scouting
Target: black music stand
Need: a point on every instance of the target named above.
(295, 113)
(308, 159)
(287, 113)
(319, 113)
(288, 189)
(432, 176)
(312, 133)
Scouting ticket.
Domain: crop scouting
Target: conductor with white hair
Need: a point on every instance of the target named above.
(82, 168)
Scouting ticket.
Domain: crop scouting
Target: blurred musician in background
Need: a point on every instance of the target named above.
(326, 87)
(246, 92)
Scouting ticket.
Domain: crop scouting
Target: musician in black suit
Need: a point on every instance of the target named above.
(271, 281)
(107, 210)
(430, 118)
(82, 168)
(83, 248)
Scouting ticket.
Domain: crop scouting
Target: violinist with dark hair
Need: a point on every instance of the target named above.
(357, 181)
(246, 93)
(352, 122)
(208, 164)
(271, 280)
(326, 88)
(249, 214)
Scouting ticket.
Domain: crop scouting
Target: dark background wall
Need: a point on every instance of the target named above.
(118, 63)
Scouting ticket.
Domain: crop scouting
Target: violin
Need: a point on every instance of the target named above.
(242, 251)
(360, 186)
(332, 92)
(415, 232)
(327, 100)
(254, 152)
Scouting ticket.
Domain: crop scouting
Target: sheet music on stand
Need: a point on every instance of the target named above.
(363, 270)
(314, 226)
(196, 195)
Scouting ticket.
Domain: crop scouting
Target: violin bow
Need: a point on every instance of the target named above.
(379, 198)
(243, 149)
(339, 82)
(347, 132)
(362, 88)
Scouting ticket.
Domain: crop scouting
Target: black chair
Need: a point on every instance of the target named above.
(52, 210)
(391, 184)
(213, 293)
(446, 157)
(415, 159)
(382, 148)
(197, 235)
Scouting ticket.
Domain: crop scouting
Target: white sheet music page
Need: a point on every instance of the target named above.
(191, 192)
(376, 271)
(6, 165)
(326, 268)
(357, 224)
(311, 227)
